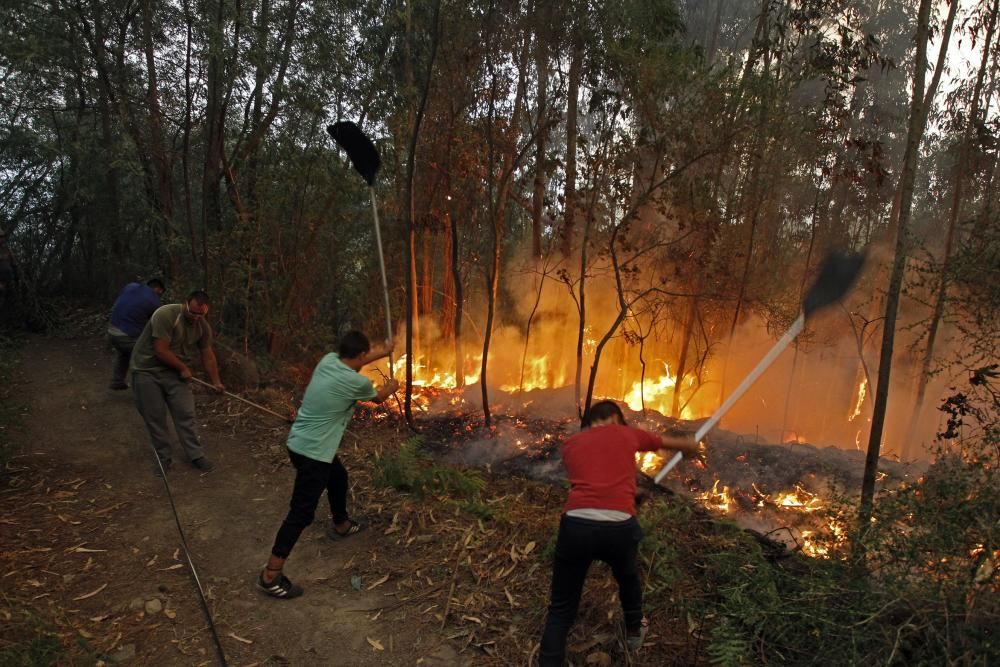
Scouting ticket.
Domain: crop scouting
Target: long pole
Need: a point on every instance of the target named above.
(762, 366)
(385, 282)
(245, 400)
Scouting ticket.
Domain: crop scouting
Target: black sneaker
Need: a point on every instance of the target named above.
(203, 464)
(117, 386)
(282, 587)
(163, 467)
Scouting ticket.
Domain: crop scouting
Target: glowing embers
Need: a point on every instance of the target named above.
(719, 501)
(799, 499)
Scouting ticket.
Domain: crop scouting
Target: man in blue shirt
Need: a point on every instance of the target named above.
(132, 309)
(327, 407)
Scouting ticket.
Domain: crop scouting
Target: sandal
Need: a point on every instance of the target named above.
(635, 641)
(282, 587)
(355, 528)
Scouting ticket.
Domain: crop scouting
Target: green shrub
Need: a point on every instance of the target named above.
(411, 471)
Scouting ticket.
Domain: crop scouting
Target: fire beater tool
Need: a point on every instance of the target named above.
(247, 401)
(836, 275)
(364, 156)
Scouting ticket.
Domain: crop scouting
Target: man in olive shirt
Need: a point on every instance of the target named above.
(173, 337)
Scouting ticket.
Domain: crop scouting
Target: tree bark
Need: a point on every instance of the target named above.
(907, 179)
(572, 119)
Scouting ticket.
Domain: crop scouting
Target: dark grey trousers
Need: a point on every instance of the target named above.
(157, 394)
(122, 346)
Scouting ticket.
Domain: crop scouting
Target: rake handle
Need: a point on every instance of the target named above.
(244, 400)
(762, 366)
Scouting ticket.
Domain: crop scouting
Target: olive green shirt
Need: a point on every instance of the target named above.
(187, 339)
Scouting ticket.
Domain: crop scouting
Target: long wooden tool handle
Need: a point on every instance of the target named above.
(762, 366)
(385, 282)
(247, 401)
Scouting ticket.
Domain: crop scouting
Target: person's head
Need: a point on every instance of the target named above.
(353, 346)
(604, 412)
(156, 285)
(197, 305)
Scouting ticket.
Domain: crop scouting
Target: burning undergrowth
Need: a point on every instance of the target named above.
(778, 491)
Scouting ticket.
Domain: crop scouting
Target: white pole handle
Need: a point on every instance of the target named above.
(762, 366)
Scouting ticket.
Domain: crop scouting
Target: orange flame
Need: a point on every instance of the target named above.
(862, 390)
(715, 499)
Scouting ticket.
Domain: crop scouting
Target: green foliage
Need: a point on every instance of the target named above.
(659, 551)
(729, 645)
(411, 471)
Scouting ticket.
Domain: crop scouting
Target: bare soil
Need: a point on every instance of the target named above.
(90, 538)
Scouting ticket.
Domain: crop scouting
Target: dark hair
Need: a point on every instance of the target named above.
(155, 283)
(602, 410)
(353, 344)
(200, 297)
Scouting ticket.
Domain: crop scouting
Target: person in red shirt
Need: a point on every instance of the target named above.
(598, 522)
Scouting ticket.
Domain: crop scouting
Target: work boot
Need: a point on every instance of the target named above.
(203, 464)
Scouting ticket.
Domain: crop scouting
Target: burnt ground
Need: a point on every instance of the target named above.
(92, 570)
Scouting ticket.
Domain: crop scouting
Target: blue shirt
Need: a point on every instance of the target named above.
(327, 407)
(133, 308)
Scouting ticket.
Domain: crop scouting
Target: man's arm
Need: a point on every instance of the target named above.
(386, 390)
(161, 348)
(383, 350)
(684, 444)
(212, 368)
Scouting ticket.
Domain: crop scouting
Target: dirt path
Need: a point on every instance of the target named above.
(91, 550)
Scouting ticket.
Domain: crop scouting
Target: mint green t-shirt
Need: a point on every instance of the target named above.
(327, 407)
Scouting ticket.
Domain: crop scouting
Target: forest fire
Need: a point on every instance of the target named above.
(770, 488)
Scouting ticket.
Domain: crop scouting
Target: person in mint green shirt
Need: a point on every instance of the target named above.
(327, 407)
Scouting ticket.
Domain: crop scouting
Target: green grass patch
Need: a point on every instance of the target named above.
(411, 471)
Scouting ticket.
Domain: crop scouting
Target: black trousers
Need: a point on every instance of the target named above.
(312, 477)
(581, 542)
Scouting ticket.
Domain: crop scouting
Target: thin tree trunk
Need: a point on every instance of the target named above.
(908, 177)
(411, 289)
(686, 336)
(538, 192)
(572, 118)
(499, 206)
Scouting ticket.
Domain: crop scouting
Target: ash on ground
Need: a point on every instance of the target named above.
(766, 487)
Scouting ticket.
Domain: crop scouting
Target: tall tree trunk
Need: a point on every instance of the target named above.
(907, 179)
(162, 164)
(427, 279)
(186, 144)
(686, 335)
(538, 191)
(456, 279)
(509, 163)
(572, 119)
(447, 321)
(411, 288)
(215, 114)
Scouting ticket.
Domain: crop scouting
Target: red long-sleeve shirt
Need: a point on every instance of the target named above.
(600, 465)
